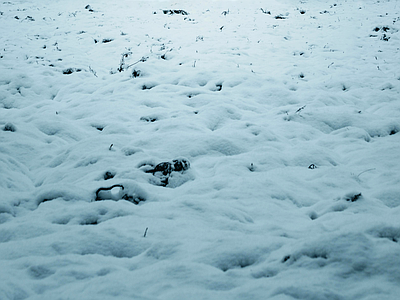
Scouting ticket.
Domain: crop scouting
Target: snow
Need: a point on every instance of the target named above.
(287, 113)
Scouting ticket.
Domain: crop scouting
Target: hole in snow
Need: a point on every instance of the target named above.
(40, 272)
(390, 233)
(264, 273)
(235, 261)
(313, 215)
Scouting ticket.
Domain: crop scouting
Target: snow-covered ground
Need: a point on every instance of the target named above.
(279, 120)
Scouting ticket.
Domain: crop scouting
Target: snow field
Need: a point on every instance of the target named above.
(287, 111)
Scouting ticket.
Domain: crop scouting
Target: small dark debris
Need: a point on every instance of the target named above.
(71, 70)
(302, 12)
(16, 17)
(353, 197)
(280, 17)
(99, 128)
(265, 11)
(104, 41)
(312, 166)
(96, 41)
(393, 131)
(136, 73)
(225, 12)
(109, 175)
(300, 109)
(9, 127)
(385, 38)
(175, 12)
(148, 119)
(29, 18)
(385, 28)
(376, 29)
(286, 258)
(301, 75)
(219, 87)
(89, 8)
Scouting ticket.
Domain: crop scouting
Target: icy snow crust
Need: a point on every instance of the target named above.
(288, 113)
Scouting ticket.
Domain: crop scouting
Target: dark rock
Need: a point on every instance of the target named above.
(180, 165)
(109, 175)
(9, 127)
(163, 171)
